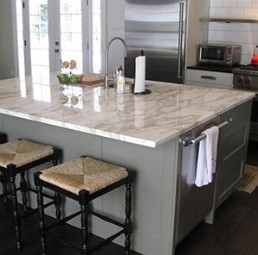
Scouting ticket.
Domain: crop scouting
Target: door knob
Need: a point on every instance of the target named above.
(56, 50)
(57, 43)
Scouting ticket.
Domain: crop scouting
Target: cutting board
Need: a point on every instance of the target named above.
(91, 79)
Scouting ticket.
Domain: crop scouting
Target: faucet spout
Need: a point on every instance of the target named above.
(107, 51)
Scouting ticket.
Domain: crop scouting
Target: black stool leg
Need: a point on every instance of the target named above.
(17, 222)
(57, 199)
(41, 214)
(3, 180)
(128, 223)
(24, 188)
(55, 157)
(84, 220)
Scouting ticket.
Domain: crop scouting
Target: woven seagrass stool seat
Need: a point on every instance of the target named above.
(16, 157)
(84, 179)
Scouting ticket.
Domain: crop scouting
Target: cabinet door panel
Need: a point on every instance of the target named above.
(239, 114)
(231, 173)
(233, 139)
(209, 78)
(232, 151)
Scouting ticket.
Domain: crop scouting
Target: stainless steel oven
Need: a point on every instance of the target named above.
(246, 78)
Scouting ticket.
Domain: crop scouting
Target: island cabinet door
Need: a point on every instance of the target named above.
(193, 203)
(232, 151)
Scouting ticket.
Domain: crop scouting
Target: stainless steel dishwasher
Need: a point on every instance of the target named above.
(193, 203)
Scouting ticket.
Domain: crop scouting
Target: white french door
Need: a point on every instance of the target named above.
(52, 31)
(68, 30)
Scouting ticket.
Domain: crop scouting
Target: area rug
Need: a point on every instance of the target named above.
(250, 179)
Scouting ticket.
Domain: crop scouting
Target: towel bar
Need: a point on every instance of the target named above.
(203, 136)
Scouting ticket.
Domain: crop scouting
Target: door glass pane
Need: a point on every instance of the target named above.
(39, 49)
(96, 36)
(38, 17)
(71, 31)
(20, 38)
(20, 43)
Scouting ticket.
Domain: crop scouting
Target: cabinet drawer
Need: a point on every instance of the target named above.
(238, 114)
(232, 151)
(231, 173)
(232, 140)
(209, 78)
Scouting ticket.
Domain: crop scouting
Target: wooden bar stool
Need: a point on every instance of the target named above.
(83, 180)
(3, 178)
(17, 157)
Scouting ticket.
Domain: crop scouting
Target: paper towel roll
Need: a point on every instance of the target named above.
(139, 82)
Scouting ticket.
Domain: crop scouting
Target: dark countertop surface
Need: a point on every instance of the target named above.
(215, 68)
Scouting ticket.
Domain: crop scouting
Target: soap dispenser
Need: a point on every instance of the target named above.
(120, 82)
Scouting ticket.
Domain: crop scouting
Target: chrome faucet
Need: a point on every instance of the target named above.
(107, 50)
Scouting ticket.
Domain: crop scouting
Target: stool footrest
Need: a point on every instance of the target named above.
(44, 194)
(5, 194)
(28, 213)
(90, 250)
(62, 221)
(32, 211)
(48, 204)
(107, 240)
(63, 242)
(106, 218)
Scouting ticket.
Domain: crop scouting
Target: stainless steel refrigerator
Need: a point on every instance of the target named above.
(168, 31)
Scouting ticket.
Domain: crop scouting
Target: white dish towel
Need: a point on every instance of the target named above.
(207, 156)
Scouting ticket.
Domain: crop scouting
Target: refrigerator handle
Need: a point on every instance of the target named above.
(180, 39)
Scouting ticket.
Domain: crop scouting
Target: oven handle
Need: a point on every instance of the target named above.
(203, 136)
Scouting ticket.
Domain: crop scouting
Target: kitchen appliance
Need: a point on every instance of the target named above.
(254, 60)
(246, 78)
(169, 32)
(220, 54)
(193, 203)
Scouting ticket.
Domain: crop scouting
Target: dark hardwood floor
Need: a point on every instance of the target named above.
(31, 240)
(252, 155)
(234, 232)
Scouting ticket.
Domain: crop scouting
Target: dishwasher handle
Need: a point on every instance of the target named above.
(203, 136)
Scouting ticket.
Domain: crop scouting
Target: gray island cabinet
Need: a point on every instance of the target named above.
(141, 132)
(195, 204)
(232, 151)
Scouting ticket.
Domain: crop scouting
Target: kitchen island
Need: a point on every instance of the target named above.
(141, 132)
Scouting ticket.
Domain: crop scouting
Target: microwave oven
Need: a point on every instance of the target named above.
(220, 54)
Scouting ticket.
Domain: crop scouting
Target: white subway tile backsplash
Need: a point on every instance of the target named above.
(215, 26)
(230, 27)
(211, 36)
(246, 59)
(245, 3)
(232, 36)
(216, 3)
(221, 12)
(245, 34)
(230, 3)
(247, 49)
(212, 12)
(250, 13)
(254, 3)
(220, 35)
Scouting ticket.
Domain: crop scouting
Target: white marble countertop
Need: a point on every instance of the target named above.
(147, 120)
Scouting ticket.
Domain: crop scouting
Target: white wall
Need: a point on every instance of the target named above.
(115, 28)
(6, 40)
(245, 34)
